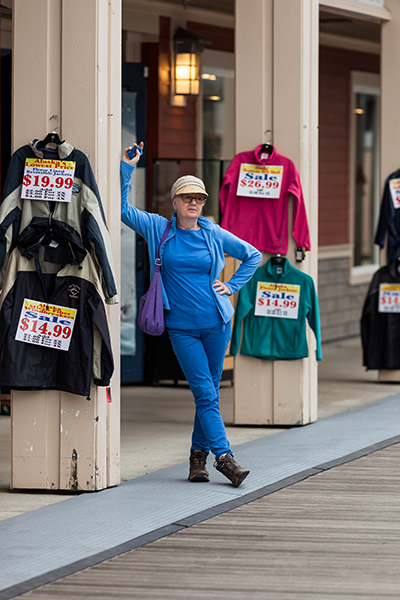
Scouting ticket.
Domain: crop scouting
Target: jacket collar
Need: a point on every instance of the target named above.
(265, 161)
(64, 149)
(271, 270)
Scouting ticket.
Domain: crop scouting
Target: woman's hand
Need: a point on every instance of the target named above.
(221, 288)
(133, 161)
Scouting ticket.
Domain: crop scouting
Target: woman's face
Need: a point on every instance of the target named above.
(190, 209)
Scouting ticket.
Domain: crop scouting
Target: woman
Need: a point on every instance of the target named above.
(198, 311)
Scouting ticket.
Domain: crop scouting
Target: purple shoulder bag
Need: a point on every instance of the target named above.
(151, 310)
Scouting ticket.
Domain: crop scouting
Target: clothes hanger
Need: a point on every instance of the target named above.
(278, 259)
(267, 147)
(53, 137)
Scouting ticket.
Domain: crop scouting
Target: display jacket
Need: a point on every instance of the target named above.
(389, 221)
(84, 213)
(380, 331)
(151, 227)
(276, 338)
(263, 222)
(65, 276)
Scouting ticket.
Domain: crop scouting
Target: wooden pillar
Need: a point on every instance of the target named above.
(67, 61)
(277, 88)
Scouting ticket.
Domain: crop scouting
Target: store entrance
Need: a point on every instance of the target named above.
(133, 273)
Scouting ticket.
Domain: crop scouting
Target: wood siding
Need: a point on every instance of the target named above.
(221, 38)
(334, 139)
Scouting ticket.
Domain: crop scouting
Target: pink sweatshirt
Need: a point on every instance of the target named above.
(254, 201)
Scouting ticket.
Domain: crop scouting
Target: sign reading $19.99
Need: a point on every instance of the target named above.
(46, 324)
(277, 300)
(50, 180)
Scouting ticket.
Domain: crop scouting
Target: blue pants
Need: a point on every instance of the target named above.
(201, 355)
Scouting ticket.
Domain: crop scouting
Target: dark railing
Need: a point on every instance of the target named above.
(166, 171)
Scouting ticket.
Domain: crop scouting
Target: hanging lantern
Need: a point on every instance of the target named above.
(187, 49)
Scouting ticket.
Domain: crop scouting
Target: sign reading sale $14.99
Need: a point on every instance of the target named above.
(277, 300)
(50, 180)
(389, 298)
(46, 324)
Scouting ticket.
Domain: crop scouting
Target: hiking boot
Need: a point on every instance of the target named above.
(227, 465)
(198, 470)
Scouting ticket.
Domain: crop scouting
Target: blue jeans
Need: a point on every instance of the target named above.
(201, 355)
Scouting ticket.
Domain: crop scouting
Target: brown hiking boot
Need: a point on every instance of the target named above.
(198, 470)
(227, 465)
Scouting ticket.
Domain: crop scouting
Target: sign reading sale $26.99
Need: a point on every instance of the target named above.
(50, 180)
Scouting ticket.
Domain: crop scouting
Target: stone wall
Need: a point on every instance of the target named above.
(340, 303)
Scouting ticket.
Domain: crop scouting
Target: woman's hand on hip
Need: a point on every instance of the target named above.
(221, 288)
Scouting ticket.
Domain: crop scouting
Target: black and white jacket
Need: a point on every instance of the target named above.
(50, 264)
(84, 213)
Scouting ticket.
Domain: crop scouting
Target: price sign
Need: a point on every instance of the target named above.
(50, 180)
(46, 325)
(389, 298)
(277, 300)
(259, 181)
(394, 185)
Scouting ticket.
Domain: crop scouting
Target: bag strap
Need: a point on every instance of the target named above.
(157, 262)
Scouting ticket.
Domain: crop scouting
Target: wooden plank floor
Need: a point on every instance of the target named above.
(333, 536)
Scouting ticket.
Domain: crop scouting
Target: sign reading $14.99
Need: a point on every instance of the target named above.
(46, 324)
(259, 181)
(50, 180)
(277, 300)
(389, 298)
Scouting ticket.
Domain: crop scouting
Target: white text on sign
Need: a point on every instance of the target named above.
(277, 300)
(389, 298)
(259, 181)
(46, 325)
(50, 180)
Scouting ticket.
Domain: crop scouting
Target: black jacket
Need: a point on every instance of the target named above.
(380, 331)
(389, 220)
(66, 276)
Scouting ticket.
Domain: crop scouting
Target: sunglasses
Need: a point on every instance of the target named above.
(188, 198)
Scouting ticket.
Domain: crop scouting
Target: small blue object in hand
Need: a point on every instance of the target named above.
(132, 152)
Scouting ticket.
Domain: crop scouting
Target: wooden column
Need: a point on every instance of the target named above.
(277, 88)
(67, 61)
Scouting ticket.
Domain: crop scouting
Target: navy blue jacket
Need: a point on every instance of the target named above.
(389, 220)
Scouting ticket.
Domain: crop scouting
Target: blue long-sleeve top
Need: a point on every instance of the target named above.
(219, 242)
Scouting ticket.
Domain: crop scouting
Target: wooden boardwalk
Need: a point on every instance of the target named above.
(335, 536)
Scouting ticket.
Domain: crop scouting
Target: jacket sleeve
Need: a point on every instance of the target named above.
(300, 224)
(385, 216)
(243, 251)
(243, 307)
(313, 317)
(142, 222)
(94, 231)
(103, 363)
(10, 210)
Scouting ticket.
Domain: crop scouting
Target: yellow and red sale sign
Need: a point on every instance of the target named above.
(50, 180)
(46, 325)
(277, 300)
(260, 181)
(389, 298)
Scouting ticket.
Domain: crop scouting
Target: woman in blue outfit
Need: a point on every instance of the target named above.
(198, 311)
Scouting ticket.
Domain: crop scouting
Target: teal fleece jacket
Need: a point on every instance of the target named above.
(276, 338)
(220, 242)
